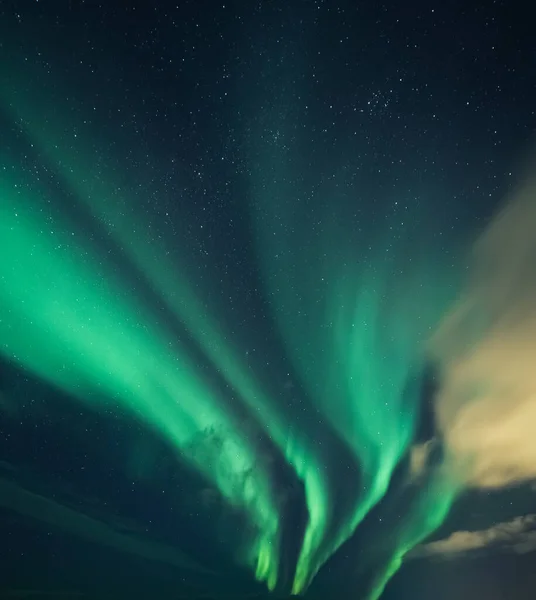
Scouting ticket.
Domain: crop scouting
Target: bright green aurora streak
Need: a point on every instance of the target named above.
(109, 206)
(355, 316)
(67, 319)
(346, 311)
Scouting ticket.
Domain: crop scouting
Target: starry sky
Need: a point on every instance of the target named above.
(266, 300)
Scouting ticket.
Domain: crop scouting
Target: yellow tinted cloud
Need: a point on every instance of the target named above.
(517, 535)
(486, 353)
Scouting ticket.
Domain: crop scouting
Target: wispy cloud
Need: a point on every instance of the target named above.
(486, 352)
(517, 535)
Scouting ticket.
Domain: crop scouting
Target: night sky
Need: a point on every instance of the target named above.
(267, 300)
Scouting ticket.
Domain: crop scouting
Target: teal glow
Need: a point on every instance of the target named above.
(68, 318)
(354, 314)
(427, 513)
(353, 308)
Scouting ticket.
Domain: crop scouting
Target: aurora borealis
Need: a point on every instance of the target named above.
(253, 272)
(89, 335)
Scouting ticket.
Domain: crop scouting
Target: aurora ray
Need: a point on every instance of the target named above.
(72, 322)
(343, 299)
(109, 206)
(346, 308)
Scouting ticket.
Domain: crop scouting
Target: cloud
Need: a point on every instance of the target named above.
(419, 458)
(486, 353)
(517, 535)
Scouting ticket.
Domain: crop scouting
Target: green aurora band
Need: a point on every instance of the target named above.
(67, 319)
(347, 314)
(110, 208)
(348, 311)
